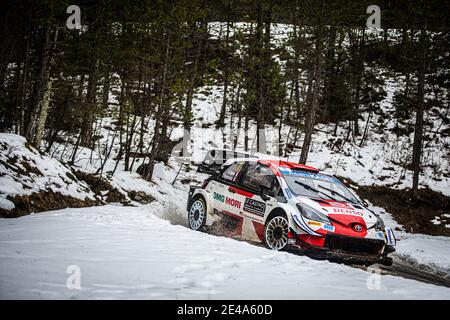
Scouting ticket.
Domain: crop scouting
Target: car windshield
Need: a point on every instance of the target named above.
(310, 184)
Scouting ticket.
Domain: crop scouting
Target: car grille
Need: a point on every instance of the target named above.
(354, 245)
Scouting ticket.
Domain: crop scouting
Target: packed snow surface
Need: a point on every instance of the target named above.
(125, 252)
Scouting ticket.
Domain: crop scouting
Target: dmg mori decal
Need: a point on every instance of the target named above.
(219, 197)
(227, 200)
(233, 202)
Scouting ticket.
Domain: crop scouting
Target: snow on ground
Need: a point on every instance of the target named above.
(128, 253)
(23, 170)
(420, 249)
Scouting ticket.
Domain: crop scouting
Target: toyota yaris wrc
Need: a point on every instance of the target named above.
(288, 206)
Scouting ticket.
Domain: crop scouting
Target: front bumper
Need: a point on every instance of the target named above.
(354, 245)
(341, 244)
(342, 257)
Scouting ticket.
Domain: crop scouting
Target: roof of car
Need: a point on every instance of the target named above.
(276, 163)
(286, 164)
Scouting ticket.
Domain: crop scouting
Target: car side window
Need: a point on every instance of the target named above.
(258, 175)
(231, 174)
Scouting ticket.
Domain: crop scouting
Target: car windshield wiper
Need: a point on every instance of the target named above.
(308, 187)
(336, 193)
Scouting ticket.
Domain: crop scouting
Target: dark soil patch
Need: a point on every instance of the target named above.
(43, 201)
(140, 197)
(415, 214)
(30, 169)
(101, 187)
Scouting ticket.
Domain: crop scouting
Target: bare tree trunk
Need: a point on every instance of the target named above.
(39, 87)
(360, 70)
(45, 103)
(311, 116)
(187, 116)
(418, 131)
(264, 53)
(21, 92)
(246, 125)
(221, 121)
(43, 114)
(89, 107)
(105, 91)
(366, 129)
(120, 120)
(163, 112)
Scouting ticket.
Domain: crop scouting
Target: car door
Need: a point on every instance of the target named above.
(253, 206)
(224, 200)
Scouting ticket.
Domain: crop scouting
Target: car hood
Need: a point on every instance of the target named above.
(344, 213)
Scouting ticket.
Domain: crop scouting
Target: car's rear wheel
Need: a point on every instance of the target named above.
(197, 214)
(276, 232)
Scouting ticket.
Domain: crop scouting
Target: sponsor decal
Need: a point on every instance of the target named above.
(380, 235)
(218, 197)
(288, 193)
(233, 202)
(314, 223)
(254, 206)
(251, 217)
(306, 174)
(348, 211)
(227, 200)
(322, 225)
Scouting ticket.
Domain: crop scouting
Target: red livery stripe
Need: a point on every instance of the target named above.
(241, 192)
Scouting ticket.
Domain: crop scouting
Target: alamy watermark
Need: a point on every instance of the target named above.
(374, 280)
(74, 20)
(374, 20)
(73, 281)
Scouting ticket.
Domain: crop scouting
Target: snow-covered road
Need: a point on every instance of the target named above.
(128, 252)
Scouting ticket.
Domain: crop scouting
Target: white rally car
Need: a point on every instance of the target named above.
(286, 205)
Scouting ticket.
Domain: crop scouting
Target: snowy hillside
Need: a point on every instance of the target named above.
(24, 172)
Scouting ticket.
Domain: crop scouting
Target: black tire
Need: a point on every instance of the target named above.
(276, 232)
(197, 214)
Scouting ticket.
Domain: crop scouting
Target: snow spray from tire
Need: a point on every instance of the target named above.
(174, 214)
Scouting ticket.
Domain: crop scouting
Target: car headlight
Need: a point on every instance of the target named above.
(312, 214)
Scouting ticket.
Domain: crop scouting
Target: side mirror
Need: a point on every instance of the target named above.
(265, 193)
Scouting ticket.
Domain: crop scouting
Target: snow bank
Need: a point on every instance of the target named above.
(23, 171)
(420, 249)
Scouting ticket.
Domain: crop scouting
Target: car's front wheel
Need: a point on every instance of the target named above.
(276, 232)
(197, 214)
